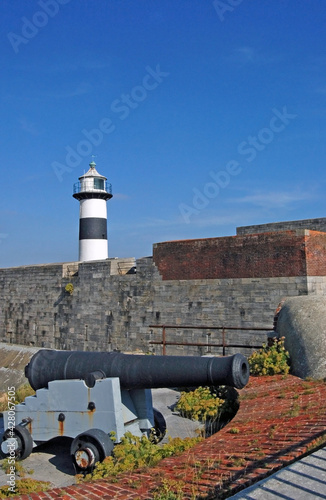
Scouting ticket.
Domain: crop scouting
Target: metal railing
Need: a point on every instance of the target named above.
(88, 186)
(207, 344)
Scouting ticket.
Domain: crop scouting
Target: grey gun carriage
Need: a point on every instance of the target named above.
(87, 396)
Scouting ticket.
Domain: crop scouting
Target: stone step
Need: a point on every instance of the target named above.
(123, 266)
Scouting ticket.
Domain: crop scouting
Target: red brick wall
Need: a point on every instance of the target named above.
(264, 255)
(316, 253)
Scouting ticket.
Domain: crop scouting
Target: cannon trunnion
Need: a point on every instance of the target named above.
(89, 395)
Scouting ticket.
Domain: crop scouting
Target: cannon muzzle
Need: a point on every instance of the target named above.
(137, 371)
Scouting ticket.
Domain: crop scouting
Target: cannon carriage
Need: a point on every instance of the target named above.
(87, 396)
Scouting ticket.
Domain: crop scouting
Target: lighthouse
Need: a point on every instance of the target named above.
(92, 191)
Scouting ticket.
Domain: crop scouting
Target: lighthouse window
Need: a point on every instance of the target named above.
(98, 184)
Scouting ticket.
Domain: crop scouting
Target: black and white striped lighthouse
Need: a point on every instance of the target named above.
(92, 191)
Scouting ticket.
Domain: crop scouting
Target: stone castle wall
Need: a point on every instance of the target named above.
(233, 282)
(313, 224)
(108, 311)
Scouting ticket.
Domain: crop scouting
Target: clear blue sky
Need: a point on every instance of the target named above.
(212, 116)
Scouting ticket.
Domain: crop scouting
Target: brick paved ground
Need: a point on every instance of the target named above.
(279, 420)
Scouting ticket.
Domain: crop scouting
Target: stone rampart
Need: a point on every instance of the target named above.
(302, 322)
(234, 281)
(318, 224)
(111, 311)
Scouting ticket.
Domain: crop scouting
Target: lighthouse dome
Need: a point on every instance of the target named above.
(92, 183)
(92, 172)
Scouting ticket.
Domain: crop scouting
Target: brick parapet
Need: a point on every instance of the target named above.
(280, 419)
(261, 255)
(316, 253)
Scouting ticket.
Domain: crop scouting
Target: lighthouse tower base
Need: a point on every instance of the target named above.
(93, 250)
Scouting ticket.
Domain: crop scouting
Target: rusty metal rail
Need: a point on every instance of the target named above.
(224, 345)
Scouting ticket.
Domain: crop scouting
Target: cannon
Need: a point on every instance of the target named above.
(87, 396)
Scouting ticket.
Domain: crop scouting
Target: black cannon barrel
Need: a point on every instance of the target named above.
(137, 371)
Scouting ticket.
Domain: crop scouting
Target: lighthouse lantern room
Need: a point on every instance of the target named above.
(92, 191)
